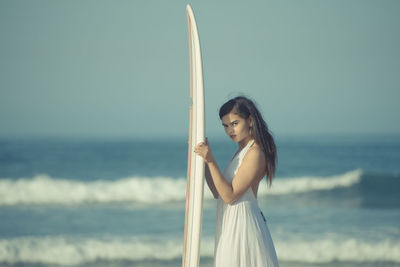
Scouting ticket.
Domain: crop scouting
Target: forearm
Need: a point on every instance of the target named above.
(210, 182)
(223, 187)
(215, 179)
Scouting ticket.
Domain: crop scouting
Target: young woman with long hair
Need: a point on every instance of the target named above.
(242, 238)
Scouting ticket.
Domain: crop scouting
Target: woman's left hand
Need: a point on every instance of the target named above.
(203, 150)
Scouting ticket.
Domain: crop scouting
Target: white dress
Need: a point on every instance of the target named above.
(242, 238)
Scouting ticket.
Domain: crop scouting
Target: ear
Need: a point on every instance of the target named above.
(250, 121)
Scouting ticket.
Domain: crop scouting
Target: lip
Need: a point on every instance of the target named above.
(233, 136)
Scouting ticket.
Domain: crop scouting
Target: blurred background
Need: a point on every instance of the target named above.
(94, 101)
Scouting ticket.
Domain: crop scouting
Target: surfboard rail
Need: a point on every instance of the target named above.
(195, 167)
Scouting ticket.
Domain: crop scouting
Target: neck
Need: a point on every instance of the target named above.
(244, 142)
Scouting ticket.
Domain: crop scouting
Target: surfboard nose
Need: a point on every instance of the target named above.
(189, 10)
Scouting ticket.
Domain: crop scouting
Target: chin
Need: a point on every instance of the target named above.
(236, 139)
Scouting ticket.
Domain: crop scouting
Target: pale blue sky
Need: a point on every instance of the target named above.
(120, 68)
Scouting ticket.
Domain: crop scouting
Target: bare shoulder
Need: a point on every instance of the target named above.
(257, 150)
(255, 153)
(254, 163)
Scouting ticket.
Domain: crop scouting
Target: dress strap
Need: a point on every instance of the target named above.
(249, 145)
(244, 150)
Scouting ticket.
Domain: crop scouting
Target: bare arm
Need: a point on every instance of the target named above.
(252, 169)
(210, 182)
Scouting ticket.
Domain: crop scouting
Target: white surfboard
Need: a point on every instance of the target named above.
(195, 169)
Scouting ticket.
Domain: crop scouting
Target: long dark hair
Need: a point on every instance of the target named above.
(245, 108)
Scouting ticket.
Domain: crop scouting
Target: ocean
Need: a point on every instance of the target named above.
(120, 202)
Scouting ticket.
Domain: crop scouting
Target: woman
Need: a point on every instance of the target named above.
(242, 238)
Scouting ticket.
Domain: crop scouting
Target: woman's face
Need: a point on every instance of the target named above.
(236, 127)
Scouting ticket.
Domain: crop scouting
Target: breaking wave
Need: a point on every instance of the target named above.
(43, 189)
(73, 251)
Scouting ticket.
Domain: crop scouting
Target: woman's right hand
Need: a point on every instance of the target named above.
(203, 150)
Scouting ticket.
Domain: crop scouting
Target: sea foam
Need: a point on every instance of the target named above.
(43, 189)
(307, 184)
(73, 251)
